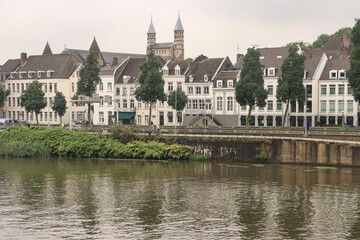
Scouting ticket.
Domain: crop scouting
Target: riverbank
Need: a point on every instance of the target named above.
(65, 143)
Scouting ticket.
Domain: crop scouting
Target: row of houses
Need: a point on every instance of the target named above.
(208, 82)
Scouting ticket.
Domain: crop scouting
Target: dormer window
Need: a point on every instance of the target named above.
(13, 74)
(342, 74)
(126, 79)
(333, 74)
(219, 83)
(265, 72)
(206, 78)
(191, 78)
(165, 70)
(262, 57)
(31, 74)
(40, 74)
(230, 83)
(177, 70)
(306, 73)
(271, 72)
(50, 73)
(22, 74)
(279, 57)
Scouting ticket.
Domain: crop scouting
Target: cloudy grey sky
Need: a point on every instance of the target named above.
(213, 28)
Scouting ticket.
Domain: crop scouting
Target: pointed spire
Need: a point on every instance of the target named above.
(47, 49)
(151, 28)
(179, 26)
(96, 50)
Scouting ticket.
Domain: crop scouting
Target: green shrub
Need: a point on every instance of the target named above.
(122, 133)
(179, 152)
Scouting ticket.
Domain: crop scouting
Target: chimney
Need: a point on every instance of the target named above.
(23, 59)
(346, 40)
(114, 61)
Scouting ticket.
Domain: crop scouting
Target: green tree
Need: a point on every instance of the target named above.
(177, 100)
(353, 73)
(3, 95)
(151, 83)
(290, 83)
(33, 99)
(249, 90)
(321, 40)
(59, 104)
(89, 79)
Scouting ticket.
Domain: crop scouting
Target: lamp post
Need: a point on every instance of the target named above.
(305, 117)
(343, 110)
(176, 108)
(48, 117)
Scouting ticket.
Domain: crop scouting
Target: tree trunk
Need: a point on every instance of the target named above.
(89, 115)
(37, 119)
(150, 118)
(60, 120)
(248, 116)
(286, 112)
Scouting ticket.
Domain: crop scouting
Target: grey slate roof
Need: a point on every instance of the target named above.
(63, 66)
(183, 64)
(227, 75)
(151, 28)
(10, 66)
(129, 68)
(334, 64)
(47, 49)
(271, 58)
(162, 45)
(179, 26)
(109, 68)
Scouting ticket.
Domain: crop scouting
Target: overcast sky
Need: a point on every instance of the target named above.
(213, 28)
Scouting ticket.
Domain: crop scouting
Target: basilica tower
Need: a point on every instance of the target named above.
(179, 40)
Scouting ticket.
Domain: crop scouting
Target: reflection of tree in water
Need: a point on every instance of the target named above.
(294, 212)
(354, 231)
(252, 212)
(150, 205)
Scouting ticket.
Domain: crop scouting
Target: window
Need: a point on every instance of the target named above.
(132, 104)
(50, 87)
(110, 101)
(170, 117)
(191, 79)
(170, 86)
(195, 104)
(278, 106)
(13, 74)
(139, 119)
(270, 90)
(323, 105)
(270, 105)
(73, 87)
(190, 90)
(117, 91)
(332, 106)
(201, 104)
(13, 87)
(101, 117)
(22, 87)
(349, 91)
(264, 71)
(22, 74)
(165, 71)
(350, 105)
(109, 86)
(146, 105)
(50, 101)
(323, 89)
(146, 119)
(9, 87)
(139, 105)
(50, 73)
(124, 104)
(124, 91)
(188, 104)
(333, 74)
(161, 103)
(340, 106)
(243, 107)
(219, 83)
(17, 87)
(219, 104)
(206, 78)
(306, 73)
(332, 89)
(230, 83)
(41, 116)
(206, 90)
(9, 101)
(230, 103)
(55, 87)
(45, 116)
(14, 103)
(342, 74)
(198, 90)
(132, 91)
(153, 105)
(18, 101)
(31, 74)
(271, 72)
(40, 74)
(341, 89)
(101, 86)
(309, 91)
(101, 101)
(177, 70)
(50, 116)
(45, 87)
(55, 117)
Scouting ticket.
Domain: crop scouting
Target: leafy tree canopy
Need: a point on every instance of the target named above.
(33, 98)
(3, 95)
(181, 99)
(89, 76)
(353, 73)
(324, 38)
(59, 104)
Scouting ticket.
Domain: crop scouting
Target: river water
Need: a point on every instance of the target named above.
(105, 199)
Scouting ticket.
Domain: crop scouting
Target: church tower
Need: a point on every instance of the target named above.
(179, 40)
(151, 35)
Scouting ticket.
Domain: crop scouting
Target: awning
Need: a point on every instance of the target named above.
(124, 115)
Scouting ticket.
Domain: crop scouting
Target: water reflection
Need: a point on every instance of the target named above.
(98, 199)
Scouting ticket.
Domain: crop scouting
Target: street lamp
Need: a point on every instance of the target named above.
(343, 110)
(176, 107)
